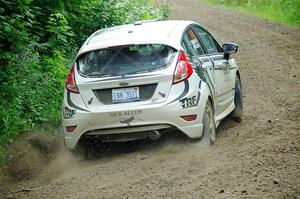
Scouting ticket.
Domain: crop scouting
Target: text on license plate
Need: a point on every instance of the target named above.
(125, 94)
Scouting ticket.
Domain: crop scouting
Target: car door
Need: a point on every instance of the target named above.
(197, 55)
(223, 76)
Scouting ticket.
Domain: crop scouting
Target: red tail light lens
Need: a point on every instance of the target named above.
(70, 129)
(183, 69)
(189, 118)
(70, 84)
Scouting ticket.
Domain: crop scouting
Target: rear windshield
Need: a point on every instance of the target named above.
(125, 60)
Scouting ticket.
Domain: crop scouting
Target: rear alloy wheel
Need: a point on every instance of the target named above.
(237, 113)
(209, 128)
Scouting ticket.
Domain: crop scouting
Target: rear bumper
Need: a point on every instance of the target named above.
(133, 120)
(186, 98)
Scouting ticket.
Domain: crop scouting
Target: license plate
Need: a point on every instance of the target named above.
(125, 94)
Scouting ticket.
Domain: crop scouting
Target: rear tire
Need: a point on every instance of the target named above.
(237, 113)
(209, 128)
(89, 148)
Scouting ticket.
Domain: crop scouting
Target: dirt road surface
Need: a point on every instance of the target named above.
(258, 158)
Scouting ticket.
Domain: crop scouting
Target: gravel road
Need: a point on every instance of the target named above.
(258, 158)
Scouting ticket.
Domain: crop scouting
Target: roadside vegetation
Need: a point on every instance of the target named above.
(38, 42)
(282, 11)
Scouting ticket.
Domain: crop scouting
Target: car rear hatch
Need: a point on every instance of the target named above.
(125, 75)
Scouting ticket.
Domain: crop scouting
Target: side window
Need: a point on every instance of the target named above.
(207, 40)
(193, 41)
(186, 49)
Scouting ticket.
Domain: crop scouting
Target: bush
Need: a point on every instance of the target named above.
(38, 42)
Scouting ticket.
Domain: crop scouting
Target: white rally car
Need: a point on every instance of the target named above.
(138, 80)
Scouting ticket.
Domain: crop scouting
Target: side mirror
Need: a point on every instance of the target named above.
(229, 48)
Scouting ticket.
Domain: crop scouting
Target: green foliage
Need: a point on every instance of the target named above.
(38, 42)
(284, 11)
(60, 33)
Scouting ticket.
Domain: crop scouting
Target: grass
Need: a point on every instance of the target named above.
(280, 11)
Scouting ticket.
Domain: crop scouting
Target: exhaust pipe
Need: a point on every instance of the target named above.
(154, 135)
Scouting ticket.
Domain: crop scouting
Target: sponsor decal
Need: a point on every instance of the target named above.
(127, 120)
(127, 116)
(191, 34)
(195, 43)
(126, 113)
(69, 113)
(188, 102)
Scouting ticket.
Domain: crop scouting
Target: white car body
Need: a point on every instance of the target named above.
(169, 103)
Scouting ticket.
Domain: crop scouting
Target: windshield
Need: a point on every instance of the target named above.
(125, 60)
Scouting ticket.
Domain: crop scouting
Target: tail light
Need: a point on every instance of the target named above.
(183, 69)
(70, 84)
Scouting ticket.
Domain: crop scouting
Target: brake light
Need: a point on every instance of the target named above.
(183, 69)
(120, 46)
(70, 84)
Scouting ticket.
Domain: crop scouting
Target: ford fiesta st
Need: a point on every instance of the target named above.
(136, 81)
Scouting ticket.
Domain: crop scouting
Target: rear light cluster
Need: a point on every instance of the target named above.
(183, 69)
(71, 84)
